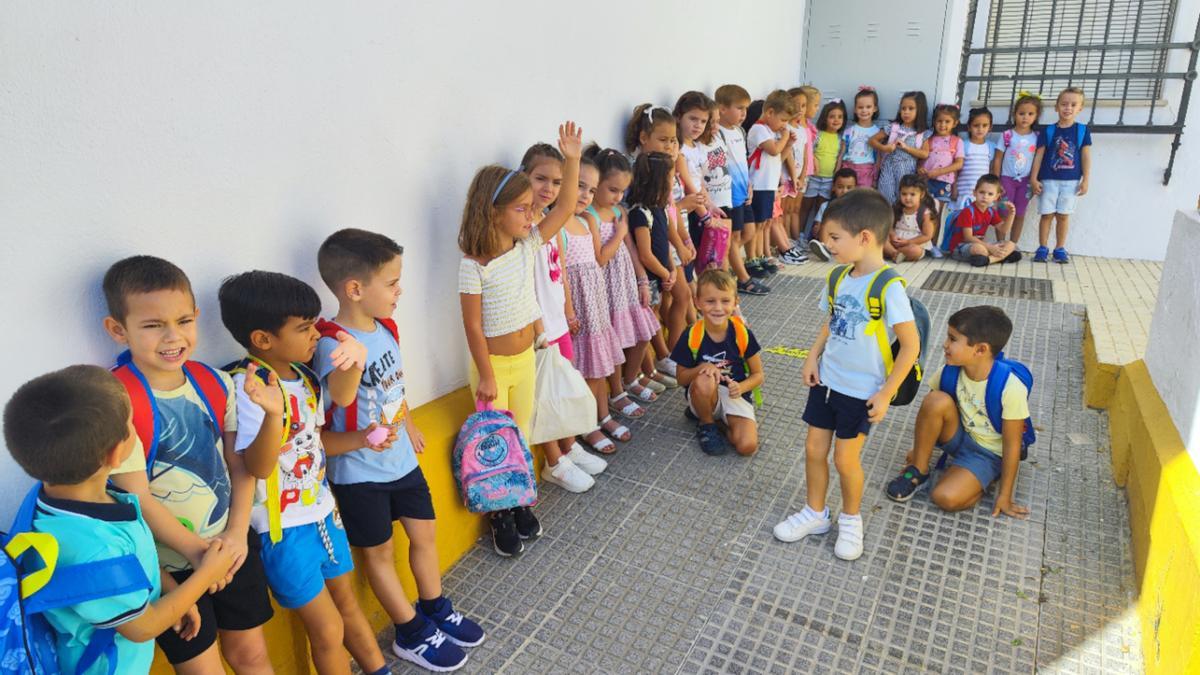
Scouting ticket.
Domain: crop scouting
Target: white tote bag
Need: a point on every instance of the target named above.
(564, 405)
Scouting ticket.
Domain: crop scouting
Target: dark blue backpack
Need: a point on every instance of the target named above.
(1001, 369)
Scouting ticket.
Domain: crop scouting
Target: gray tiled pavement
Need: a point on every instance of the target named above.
(668, 564)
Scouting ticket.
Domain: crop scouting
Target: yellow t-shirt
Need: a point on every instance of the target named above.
(972, 409)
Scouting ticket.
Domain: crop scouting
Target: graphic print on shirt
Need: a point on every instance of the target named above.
(384, 375)
(189, 475)
(848, 315)
(301, 460)
(722, 363)
(1064, 154)
(554, 260)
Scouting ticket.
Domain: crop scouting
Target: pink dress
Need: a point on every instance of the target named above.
(597, 350)
(632, 322)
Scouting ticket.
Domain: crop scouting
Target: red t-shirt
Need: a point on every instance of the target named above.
(975, 220)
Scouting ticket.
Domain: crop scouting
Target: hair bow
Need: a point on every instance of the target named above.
(948, 105)
(835, 100)
(1027, 94)
(650, 112)
(865, 87)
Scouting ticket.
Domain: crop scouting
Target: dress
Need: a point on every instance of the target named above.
(597, 349)
(631, 322)
(899, 163)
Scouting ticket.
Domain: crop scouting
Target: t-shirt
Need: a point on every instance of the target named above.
(858, 149)
(825, 153)
(381, 399)
(304, 495)
(1062, 159)
(548, 285)
(694, 156)
(851, 363)
(765, 168)
(509, 301)
(972, 407)
(189, 476)
(739, 169)
(799, 148)
(87, 531)
(971, 218)
(724, 354)
(660, 243)
(717, 177)
(1018, 156)
(943, 150)
(977, 161)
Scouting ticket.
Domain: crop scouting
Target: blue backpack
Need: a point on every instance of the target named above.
(32, 582)
(1048, 134)
(1001, 369)
(492, 462)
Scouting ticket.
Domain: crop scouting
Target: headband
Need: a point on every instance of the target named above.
(835, 100)
(650, 113)
(500, 187)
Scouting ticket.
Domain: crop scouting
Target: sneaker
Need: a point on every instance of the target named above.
(770, 265)
(1013, 257)
(1060, 256)
(586, 461)
(752, 287)
(568, 476)
(461, 630)
(849, 544)
(904, 486)
(1042, 254)
(653, 385)
(711, 441)
(666, 367)
(977, 260)
(900, 257)
(756, 270)
(528, 526)
(818, 250)
(431, 649)
(665, 380)
(937, 252)
(801, 524)
(505, 539)
(791, 257)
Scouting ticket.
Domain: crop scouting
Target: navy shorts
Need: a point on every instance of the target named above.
(762, 206)
(738, 214)
(369, 509)
(845, 415)
(964, 451)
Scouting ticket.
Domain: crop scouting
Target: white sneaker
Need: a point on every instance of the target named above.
(586, 461)
(900, 257)
(818, 250)
(568, 476)
(849, 544)
(666, 367)
(801, 524)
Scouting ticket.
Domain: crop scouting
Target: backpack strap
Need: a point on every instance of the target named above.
(145, 409)
(1080, 131)
(212, 391)
(390, 325)
(741, 337)
(832, 281)
(876, 309)
(695, 337)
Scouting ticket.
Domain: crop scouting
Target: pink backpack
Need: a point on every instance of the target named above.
(714, 246)
(492, 462)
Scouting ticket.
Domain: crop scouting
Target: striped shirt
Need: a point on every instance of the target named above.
(506, 284)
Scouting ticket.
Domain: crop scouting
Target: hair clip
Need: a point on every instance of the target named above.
(503, 182)
(650, 112)
(948, 105)
(866, 87)
(835, 100)
(1028, 94)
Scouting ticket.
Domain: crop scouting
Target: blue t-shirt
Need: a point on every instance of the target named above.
(1062, 158)
(724, 354)
(851, 363)
(381, 399)
(86, 532)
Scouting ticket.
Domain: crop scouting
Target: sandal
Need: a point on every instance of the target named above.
(903, 487)
(644, 393)
(630, 409)
(665, 380)
(651, 385)
(604, 446)
(618, 433)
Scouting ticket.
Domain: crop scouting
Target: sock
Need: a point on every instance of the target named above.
(411, 628)
(847, 516)
(428, 607)
(823, 514)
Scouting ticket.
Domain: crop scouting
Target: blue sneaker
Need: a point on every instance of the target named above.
(461, 630)
(1042, 254)
(711, 441)
(1060, 256)
(431, 649)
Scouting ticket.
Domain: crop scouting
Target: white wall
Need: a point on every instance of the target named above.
(230, 136)
(1173, 351)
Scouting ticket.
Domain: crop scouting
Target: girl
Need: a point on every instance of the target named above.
(859, 151)
(902, 143)
(943, 155)
(798, 166)
(978, 153)
(826, 152)
(914, 228)
(499, 306)
(693, 112)
(1014, 158)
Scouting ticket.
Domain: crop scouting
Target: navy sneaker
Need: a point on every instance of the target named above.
(1060, 256)
(528, 526)
(461, 630)
(711, 441)
(978, 260)
(431, 649)
(755, 269)
(1042, 254)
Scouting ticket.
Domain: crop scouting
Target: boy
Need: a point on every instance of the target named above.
(850, 389)
(1061, 167)
(376, 486)
(959, 423)
(769, 139)
(844, 180)
(304, 550)
(719, 367)
(69, 429)
(732, 102)
(194, 478)
(973, 221)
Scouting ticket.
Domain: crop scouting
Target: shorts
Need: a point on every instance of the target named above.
(970, 455)
(695, 230)
(819, 186)
(865, 173)
(962, 252)
(242, 605)
(369, 509)
(762, 206)
(1016, 190)
(940, 189)
(565, 347)
(726, 405)
(845, 415)
(689, 270)
(308, 554)
(738, 214)
(1058, 196)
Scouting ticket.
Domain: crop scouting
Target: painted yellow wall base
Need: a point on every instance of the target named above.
(1099, 379)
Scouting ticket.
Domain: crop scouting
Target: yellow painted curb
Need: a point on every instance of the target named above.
(1099, 379)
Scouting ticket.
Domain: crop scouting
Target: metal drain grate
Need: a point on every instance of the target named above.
(989, 285)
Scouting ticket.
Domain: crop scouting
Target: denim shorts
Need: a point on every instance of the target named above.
(1058, 196)
(962, 252)
(970, 455)
(819, 186)
(845, 415)
(762, 206)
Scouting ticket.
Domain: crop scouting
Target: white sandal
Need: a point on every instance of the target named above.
(605, 446)
(637, 390)
(630, 410)
(621, 433)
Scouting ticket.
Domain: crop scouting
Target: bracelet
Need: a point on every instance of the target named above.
(643, 282)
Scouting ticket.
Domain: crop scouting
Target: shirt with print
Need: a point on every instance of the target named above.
(858, 146)
(1018, 155)
(972, 407)
(304, 495)
(825, 153)
(739, 168)
(799, 148)
(724, 354)
(978, 222)
(381, 399)
(765, 168)
(851, 363)
(189, 476)
(548, 273)
(660, 243)
(717, 178)
(87, 532)
(1062, 159)
(977, 161)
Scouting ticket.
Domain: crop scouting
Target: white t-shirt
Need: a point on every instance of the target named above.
(716, 172)
(694, 157)
(766, 168)
(739, 170)
(548, 283)
(799, 148)
(851, 363)
(858, 147)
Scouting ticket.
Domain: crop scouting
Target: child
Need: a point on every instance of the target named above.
(69, 429)
(732, 101)
(967, 241)
(827, 151)
(850, 389)
(859, 150)
(721, 369)
(499, 307)
(1014, 160)
(943, 155)
(304, 549)
(799, 165)
(769, 139)
(960, 425)
(912, 233)
(377, 484)
(194, 476)
(902, 143)
(1061, 168)
(978, 153)
(692, 113)
(649, 192)
(845, 180)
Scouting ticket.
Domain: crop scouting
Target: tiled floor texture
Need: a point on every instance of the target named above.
(668, 564)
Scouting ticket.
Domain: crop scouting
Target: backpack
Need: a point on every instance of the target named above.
(1001, 369)
(1049, 133)
(741, 336)
(492, 463)
(329, 329)
(877, 309)
(32, 582)
(948, 225)
(146, 420)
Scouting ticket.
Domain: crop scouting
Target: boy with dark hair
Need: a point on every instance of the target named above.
(844, 180)
(192, 488)
(304, 549)
(379, 484)
(971, 225)
(69, 429)
(851, 388)
(959, 422)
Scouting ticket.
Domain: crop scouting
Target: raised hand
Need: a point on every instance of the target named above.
(570, 140)
(350, 353)
(266, 395)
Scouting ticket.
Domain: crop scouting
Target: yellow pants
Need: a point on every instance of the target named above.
(515, 379)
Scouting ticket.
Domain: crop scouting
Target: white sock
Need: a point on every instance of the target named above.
(823, 514)
(846, 517)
